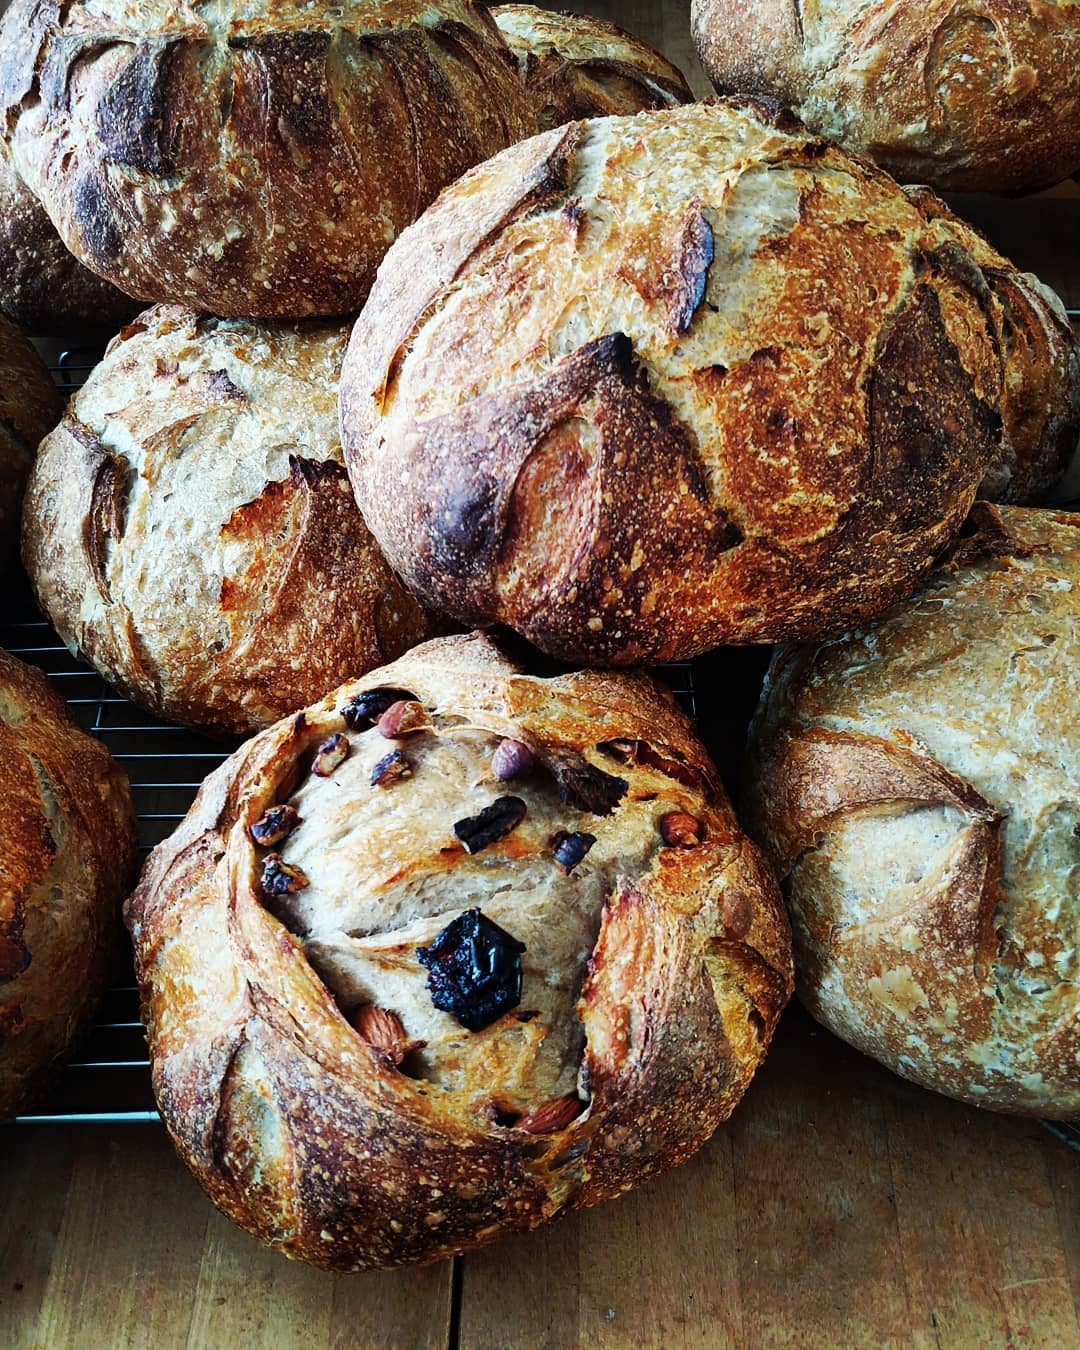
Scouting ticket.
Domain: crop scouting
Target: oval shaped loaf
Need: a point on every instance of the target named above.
(30, 407)
(190, 530)
(566, 834)
(67, 858)
(575, 66)
(249, 159)
(980, 98)
(651, 384)
(917, 784)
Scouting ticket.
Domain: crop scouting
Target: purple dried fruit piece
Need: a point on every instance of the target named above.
(392, 768)
(275, 824)
(330, 755)
(474, 970)
(278, 878)
(511, 759)
(493, 823)
(366, 709)
(570, 849)
(584, 786)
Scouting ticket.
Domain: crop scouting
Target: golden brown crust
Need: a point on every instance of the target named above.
(66, 862)
(965, 98)
(1040, 389)
(29, 409)
(249, 160)
(578, 66)
(190, 529)
(310, 1136)
(43, 288)
(915, 784)
(633, 419)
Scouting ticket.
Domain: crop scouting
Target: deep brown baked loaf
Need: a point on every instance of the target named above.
(651, 384)
(502, 952)
(43, 287)
(1040, 392)
(576, 66)
(190, 529)
(29, 409)
(67, 857)
(917, 784)
(249, 159)
(983, 98)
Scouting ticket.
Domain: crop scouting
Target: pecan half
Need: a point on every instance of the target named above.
(679, 829)
(570, 849)
(493, 823)
(403, 718)
(366, 709)
(511, 759)
(392, 768)
(333, 752)
(385, 1031)
(279, 878)
(275, 824)
(552, 1116)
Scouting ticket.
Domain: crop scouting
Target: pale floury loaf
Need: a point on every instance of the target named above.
(646, 385)
(917, 784)
(451, 953)
(965, 97)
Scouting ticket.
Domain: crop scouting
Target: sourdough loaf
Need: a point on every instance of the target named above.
(917, 784)
(67, 858)
(189, 526)
(29, 409)
(982, 98)
(249, 159)
(646, 385)
(453, 952)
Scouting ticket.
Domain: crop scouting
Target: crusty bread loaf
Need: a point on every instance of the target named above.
(982, 98)
(190, 529)
(576, 66)
(43, 287)
(917, 784)
(501, 954)
(1040, 393)
(651, 384)
(249, 159)
(67, 855)
(29, 409)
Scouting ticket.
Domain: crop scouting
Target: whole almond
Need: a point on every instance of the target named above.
(386, 1032)
(403, 719)
(552, 1117)
(679, 829)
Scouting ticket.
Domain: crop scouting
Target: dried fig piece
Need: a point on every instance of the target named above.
(278, 878)
(570, 849)
(392, 768)
(366, 709)
(275, 824)
(493, 823)
(330, 755)
(511, 759)
(474, 970)
(584, 786)
(403, 718)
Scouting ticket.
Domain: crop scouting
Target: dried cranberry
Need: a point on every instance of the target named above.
(474, 970)
(492, 824)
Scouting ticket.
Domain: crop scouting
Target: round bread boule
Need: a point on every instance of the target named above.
(606, 958)
(250, 159)
(576, 66)
(651, 384)
(43, 287)
(189, 526)
(1040, 396)
(30, 407)
(917, 784)
(67, 859)
(978, 98)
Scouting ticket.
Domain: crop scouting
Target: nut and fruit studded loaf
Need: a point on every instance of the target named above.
(29, 409)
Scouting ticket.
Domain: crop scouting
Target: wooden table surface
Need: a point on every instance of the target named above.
(839, 1207)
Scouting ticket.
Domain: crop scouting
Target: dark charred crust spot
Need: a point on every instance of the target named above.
(493, 823)
(582, 785)
(474, 970)
(131, 117)
(105, 519)
(96, 221)
(470, 518)
(366, 709)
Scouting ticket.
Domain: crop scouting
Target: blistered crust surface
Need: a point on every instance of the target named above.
(964, 97)
(653, 975)
(917, 786)
(67, 855)
(249, 159)
(651, 384)
(190, 529)
(29, 409)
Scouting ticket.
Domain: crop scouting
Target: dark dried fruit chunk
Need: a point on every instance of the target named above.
(275, 824)
(679, 829)
(584, 786)
(366, 709)
(330, 755)
(403, 718)
(392, 768)
(570, 849)
(279, 878)
(474, 970)
(552, 1116)
(493, 823)
(511, 759)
